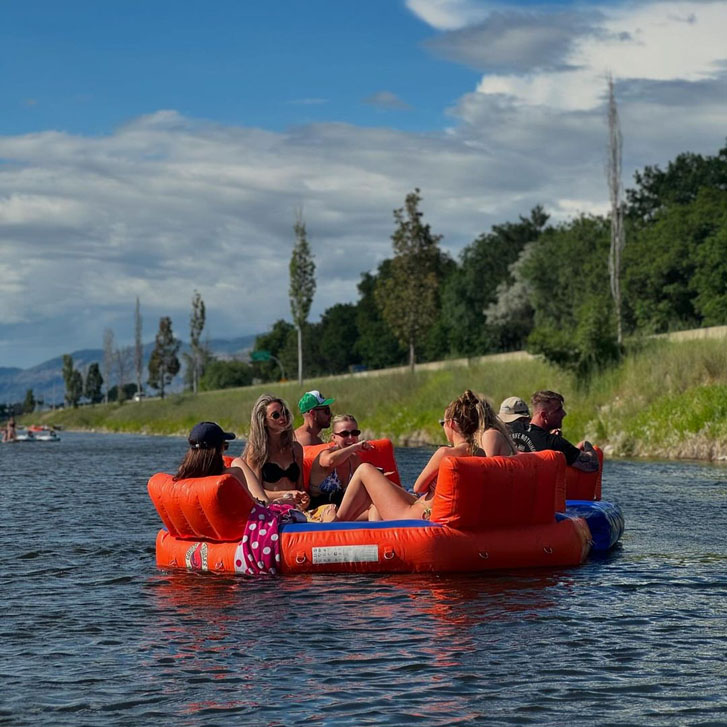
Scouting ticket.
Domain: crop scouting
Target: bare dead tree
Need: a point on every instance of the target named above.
(108, 360)
(123, 360)
(615, 188)
(138, 348)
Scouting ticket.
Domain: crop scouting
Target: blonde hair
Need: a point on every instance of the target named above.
(490, 420)
(257, 448)
(341, 418)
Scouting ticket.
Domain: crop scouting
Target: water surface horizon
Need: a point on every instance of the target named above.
(95, 634)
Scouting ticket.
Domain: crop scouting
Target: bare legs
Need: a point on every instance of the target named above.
(370, 491)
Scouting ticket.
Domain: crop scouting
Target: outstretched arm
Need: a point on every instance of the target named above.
(328, 459)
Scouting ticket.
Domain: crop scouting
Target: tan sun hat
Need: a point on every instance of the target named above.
(513, 408)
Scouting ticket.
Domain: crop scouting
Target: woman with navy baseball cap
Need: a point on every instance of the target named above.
(207, 442)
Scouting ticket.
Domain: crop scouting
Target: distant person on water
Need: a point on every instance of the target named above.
(207, 442)
(515, 414)
(272, 453)
(10, 433)
(333, 468)
(370, 495)
(495, 438)
(544, 432)
(316, 411)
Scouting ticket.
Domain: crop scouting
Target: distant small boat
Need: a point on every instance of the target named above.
(35, 433)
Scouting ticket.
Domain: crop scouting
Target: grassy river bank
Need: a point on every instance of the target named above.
(666, 399)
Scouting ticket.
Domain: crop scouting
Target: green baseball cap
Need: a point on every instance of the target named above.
(311, 400)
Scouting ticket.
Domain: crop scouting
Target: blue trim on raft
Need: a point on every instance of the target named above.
(605, 521)
(357, 525)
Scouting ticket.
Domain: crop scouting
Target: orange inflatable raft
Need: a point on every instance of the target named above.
(487, 514)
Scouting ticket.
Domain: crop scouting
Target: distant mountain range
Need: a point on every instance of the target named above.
(46, 379)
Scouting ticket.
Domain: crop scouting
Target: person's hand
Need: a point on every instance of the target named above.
(366, 445)
(557, 432)
(287, 498)
(302, 499)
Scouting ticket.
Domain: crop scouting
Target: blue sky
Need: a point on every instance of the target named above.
(154, 148)
(85, 67)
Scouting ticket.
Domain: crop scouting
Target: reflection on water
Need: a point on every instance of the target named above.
(95, 634)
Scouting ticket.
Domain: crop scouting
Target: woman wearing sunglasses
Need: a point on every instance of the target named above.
(371, 495)
(333, 468)
(272, 453)
(207, 442)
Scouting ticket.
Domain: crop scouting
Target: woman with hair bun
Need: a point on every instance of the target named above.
(371, 496)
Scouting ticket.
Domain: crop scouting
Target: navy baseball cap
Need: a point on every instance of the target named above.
(208, 435)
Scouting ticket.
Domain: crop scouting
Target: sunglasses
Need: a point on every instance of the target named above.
(324, 409)
(226, 446)
(278, 414)
(347, 433)
(442, 422)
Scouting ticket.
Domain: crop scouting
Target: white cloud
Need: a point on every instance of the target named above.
(167, 204)
(448, 14)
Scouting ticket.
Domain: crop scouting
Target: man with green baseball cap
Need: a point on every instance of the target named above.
(316, 411)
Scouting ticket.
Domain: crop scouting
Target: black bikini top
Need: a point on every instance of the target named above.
(272, 472)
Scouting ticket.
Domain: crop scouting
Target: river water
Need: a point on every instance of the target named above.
(93, 634)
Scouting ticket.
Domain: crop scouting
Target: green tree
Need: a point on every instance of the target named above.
(122, 393)
(163, 363)
(678, 184)
(92, 388)
(29, 403)
(73, 381)
(483, 275)
(302, 284)
(567, 274)
(376, 347)
(196, 325)
(225, 375)
(409, 297)
(675, 265)
(337, 338)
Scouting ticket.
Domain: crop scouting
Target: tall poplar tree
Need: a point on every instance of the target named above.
(408, 297)
(73, 381)
(302, 284)
(163, 363)
(94, 382)
(196, 325)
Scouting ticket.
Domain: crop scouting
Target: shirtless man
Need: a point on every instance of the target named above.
(543, 432)
(316, 411)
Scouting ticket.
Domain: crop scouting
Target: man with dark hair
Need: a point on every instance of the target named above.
(316, 411)
(544, 432)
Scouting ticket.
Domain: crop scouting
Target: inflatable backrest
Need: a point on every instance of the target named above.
(480, 492)
(382, 455)
(213, 508)
(581, 485)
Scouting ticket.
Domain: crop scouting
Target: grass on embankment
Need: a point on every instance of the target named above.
(665, 400)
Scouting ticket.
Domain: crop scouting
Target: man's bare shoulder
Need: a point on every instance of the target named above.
(305, 438)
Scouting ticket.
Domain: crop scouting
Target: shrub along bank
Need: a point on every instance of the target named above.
(666, 399)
